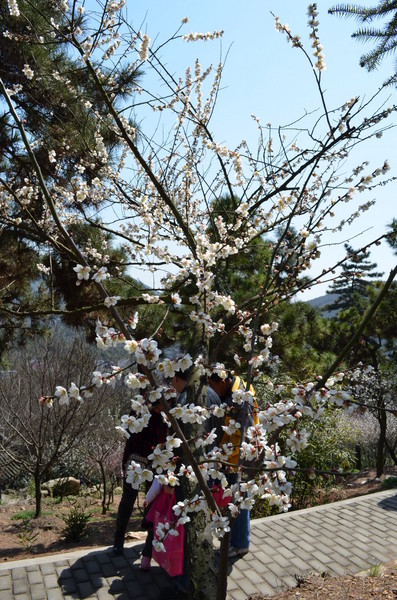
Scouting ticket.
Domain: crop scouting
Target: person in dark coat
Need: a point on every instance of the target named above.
(138, 447)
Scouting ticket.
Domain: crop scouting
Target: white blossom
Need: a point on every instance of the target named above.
(62, 395)
(83, 272)
(111, 301)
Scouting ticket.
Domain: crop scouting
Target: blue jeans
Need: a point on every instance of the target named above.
(240, 534)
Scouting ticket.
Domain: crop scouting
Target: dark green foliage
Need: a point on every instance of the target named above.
(331, 447)
(52, 109)
(303, 348)
(242, 274)
(25, 515)
(352, 286)
(19, 287)
(262, 508)
(393, 235)
(76, 521)
(26, 535)
(51, 105)
(385, 37)
(389, 483)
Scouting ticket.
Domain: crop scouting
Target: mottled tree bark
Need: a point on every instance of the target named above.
(200, 555)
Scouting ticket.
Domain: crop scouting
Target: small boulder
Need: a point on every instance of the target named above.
(64, 486)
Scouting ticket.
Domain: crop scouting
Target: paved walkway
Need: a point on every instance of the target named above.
(340, 538)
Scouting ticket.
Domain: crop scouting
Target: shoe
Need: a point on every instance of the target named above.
(174, 593)
(233, 552)
(145, 563)
(117, 551)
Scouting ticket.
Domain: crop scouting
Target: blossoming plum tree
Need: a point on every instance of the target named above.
(156, 195)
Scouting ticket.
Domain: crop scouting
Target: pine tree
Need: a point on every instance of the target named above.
(352, 286)
(392, 240)
(48, 86)
(385, 38)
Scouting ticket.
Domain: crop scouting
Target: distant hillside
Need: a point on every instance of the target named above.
(322, 301)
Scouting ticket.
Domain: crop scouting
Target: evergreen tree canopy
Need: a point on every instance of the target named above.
(384, 37)
(352, 286)
(393, 235)
(65, 120)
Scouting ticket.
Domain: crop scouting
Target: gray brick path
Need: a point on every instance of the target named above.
(341, 538)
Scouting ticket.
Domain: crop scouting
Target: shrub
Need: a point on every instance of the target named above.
(26, 534)
(262, 508)
(76, 521)
(24, 514)
(389, 483)
(331, 444)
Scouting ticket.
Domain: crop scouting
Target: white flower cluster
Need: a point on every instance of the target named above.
(210, 326)
(43, 269)
(317, 47)
(297, 440)
(190, 413)
(293, 40)
(136, 381)
(28, 71)
(83, 273)
(194, 37)
(225, 301)
(136, 475)
(162, 530)
(169, 367)
(144, 48)
(146, 351)
(101, 275)
(152, 299)
(107, 337)
(134, 424)
(64, 396)
(111, 301)
(161, 459)
(13, 8)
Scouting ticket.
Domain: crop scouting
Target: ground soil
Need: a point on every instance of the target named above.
(45, 537)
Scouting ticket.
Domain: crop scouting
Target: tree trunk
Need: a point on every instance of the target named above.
(200, 559)
(223, 568)
(358, 456)
(38, 495)
(104, 487)
(199, 550)
(380, 452)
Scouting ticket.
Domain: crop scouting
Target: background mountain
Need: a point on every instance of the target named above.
(322, 301)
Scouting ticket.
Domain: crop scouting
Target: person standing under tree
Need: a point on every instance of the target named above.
(138, 447)
(240, 533)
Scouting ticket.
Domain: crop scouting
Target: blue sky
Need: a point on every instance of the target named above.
(265, 76)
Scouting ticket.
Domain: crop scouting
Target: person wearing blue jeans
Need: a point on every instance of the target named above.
(240, 533)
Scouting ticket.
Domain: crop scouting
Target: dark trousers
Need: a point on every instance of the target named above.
(148, 546)
(124, 513)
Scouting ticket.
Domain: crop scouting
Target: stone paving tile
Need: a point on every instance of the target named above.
(18, 573)
(38, 592)
(55, 595)
(48, 569)
(5, 581)
(237, 595)
(316, 565)
(20, 586)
